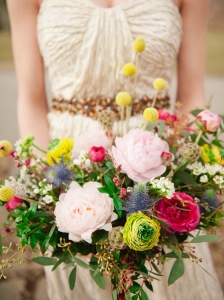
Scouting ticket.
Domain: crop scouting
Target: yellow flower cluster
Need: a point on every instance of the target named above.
(159, 84)
(6, 193)
(59, 150)
(139, 44)
(151, 114)
(129, 69)
(5, 148)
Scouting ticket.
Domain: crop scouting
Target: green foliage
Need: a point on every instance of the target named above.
(205, 238)
(45, 261)
(72, 278)
(177, 271)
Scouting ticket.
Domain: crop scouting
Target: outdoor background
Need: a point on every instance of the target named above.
(27, 282)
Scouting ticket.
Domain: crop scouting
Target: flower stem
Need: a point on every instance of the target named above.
(198, 137)
(155, 98)
(38, 148)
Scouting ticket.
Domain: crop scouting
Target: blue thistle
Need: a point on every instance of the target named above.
(211, 199)
(139, 200)
(59, 174)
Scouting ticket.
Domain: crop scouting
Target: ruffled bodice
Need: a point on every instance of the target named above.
(85, 46)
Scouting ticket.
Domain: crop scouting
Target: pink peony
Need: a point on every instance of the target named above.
(181, 212)
(89, 139)
(139, 154)
(97, 154)
(165, 115)
(83, 210)
(208, 121)
(13, 203)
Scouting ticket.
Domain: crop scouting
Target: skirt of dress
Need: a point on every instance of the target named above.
(196, 284)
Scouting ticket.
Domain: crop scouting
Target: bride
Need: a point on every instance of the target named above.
(83, 44)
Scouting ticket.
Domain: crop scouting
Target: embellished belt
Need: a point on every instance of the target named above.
(91, 106)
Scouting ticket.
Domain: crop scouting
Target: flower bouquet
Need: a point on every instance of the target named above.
(130, 202)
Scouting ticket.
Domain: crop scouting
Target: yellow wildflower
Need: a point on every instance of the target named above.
(151, 114)
(129, 69)
(211, 154)
(159, 84)
(6, 193)
(59, 150)
(123, 99)
(139, 44)
(5, 148)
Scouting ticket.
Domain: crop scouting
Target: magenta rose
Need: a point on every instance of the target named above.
(139, 153)
(97, 154)
(208, 121)
(13, 203)
(181, 212)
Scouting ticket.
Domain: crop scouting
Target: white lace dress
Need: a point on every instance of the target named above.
(84, 47)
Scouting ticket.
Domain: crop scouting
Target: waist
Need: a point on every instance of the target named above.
(91, 106)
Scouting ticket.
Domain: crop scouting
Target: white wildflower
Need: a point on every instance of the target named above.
(204, 178)
(48, 199)
(165, 186)
(36, 191)
(218, 179)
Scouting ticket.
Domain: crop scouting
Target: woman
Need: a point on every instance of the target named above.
(84, 44)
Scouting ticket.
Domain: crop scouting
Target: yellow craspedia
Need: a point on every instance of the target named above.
(5, 148)
(129, 69)
(6, 193)
(123, 99)
(59, 150)
(159, 84)
(151, 114)
(139, 44)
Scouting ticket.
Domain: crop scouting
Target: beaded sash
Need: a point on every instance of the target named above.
(91, 106)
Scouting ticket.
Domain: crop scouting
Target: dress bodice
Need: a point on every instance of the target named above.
(85, 46)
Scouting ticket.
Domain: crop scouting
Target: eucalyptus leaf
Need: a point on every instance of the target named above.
(144, 296)
(82, 264)
(185, 177)
(99, 280)
(177, 271)
(45, 261)
(72, 278)
(114, 295)
(205, 238)
(195, 112)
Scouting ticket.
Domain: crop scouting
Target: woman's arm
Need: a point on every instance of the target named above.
(32, 104)
(191, 60)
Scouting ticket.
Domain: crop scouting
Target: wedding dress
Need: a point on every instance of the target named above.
(84, 48)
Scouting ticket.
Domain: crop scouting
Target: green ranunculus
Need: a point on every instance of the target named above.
(140, 232)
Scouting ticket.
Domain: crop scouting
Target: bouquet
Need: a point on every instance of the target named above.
(130, 201)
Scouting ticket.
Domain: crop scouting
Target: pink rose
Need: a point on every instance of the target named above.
(97, 154)
(208, 121)
(13, 203)
(139, 154)
(89, 139)
(83, 210)
(165, 115)
(181, 212)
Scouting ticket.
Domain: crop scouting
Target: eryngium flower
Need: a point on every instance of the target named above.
(139, 200)
(211, 199)
(59, 174)
(140, 232)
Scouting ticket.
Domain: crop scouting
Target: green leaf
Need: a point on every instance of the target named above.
(110, 185)
(52, 230)
(149, 286)
(0, 245)
(99, 280)
(109, 165)
(99, 235)
(58, 263)
(32, 211)
(144, 295)
(146, 275)
(185, 178)
(118, 205)
(114, 295)
(177, 271)
(174, 255)
(32, 241)
(135, 297)
(205, 238)
(117, 256)
(104, 190)
(161, 128)
(134, 289)
(82, 264)
(161, 221)
(217, 143)
(195, 112)
(155, 267)
(45, 261)
(72, 278)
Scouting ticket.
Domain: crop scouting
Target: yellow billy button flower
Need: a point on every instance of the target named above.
(6, 193)
(140, 232)
(139, 44)
(159, 84)
(129, 69)
(5, 148)
(151, 114)
(123, 99)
